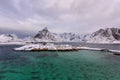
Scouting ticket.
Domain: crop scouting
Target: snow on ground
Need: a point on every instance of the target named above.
(88, 48)
(48, 46)
(55, 47)
(115, 51)
(27, 47)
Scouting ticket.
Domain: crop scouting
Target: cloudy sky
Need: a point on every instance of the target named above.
(80, 16)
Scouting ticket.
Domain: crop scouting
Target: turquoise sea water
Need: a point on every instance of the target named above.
(76, 65)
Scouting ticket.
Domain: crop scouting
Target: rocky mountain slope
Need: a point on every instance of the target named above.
(6, 38)
(46, 35)
(107, 35)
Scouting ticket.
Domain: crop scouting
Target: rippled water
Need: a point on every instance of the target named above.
(81, 65)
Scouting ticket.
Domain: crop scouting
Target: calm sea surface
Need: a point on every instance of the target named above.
(76, 65)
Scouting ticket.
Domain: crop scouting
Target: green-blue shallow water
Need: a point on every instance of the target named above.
(81, 65)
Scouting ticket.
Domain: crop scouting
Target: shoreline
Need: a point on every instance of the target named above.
(21, 43)
(81, 47)
(101, 49)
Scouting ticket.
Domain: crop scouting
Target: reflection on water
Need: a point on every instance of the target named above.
(81, 65)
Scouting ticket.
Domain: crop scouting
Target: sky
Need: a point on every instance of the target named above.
(79, 16)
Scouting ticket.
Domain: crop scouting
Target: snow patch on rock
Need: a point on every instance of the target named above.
(9, 38)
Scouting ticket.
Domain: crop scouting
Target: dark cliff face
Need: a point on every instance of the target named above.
(42, 33)
(101, 32)
(116, 33)
(109, 32)
(45, 34)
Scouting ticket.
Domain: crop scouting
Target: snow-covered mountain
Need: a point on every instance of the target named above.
(7, 38)
(70, 37)
(108, 35)
(46, 35)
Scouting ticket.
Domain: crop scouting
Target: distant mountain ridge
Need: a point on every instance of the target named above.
(108, 35)
(105, 35)
(45, 34)
(4, 38)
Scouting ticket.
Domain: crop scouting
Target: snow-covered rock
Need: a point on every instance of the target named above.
(27, 47)
(46, 47)
(70, 37)
(108, 35)
(47, 36)
(9, 38)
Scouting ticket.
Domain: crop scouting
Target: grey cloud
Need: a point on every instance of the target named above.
(72, 15)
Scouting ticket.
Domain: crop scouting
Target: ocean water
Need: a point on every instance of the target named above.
(75, 65)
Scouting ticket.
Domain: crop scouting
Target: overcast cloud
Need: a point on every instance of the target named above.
(81, 16)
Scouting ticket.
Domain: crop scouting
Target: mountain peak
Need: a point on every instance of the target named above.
(105, 35)
(45, 29)
(45, 34)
